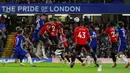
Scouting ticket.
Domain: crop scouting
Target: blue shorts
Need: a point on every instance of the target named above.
(122, 46)
(93, 46)
(19, 52)
(36, 37)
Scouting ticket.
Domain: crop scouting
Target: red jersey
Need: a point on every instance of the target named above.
(111, 33)
(52, 29)
(16, 34)
(44, 28)
(81, 34)
(64, 40)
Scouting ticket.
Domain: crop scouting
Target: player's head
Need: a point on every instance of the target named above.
(44, 16)
(17, 28)
(111, 24)
(120, 24)
(20, 31)
(54, 19)
(51, 20)
(92, 26)
(81, 23)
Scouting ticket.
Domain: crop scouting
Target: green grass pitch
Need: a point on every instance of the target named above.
(61, 68)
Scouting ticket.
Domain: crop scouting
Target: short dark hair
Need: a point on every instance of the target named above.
(121, 24)
(51, 19)
(111, 24)
(20, 31)
(81, 23)
(44, 15)
(54, 19)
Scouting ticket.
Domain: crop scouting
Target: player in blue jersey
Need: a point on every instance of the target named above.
(93, 42)
(39, 43)
(19, 50)
(122, 43)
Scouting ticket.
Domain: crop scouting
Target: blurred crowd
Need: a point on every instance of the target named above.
(59, 1)
(68, 26)
(3, 34)
(103, 42)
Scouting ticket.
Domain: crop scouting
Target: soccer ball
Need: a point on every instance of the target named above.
(76, 19)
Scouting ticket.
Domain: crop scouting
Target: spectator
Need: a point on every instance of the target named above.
(3, 38)
(1, 42)
(49, 1)
(2, 19)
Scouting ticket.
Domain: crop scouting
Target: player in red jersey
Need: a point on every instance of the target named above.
(53, 31)
(64, 46)
(81, 33)
(52, 28)
(111, 32)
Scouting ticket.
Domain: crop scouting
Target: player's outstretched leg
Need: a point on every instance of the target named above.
(73, 57)
(95, 58)
(62, 57)
(79, 58)
(67, 58)
(123, 57)
(113, 54)
(30, 60)
(21, 60)
(88, 60)
(43, 50)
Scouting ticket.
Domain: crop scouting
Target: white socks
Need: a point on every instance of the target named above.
(43, 52)
(30, 60)
(123, 57)
(88, 60)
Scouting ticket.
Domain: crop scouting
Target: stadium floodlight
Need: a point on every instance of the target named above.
(25, 14)
(88, 15)
(3, 15)
(125, 14)
(92, 15)
(61, 14)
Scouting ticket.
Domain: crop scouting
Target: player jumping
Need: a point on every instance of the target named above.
(40, 45)
(64, 45)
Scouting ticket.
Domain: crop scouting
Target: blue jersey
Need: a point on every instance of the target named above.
(19, 41)
(122, 42)
(39, 25)
(93, 42)
(93, 34)
(122, 34)
(19, 50)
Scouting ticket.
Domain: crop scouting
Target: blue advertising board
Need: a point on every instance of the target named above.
(25, 60)
(2, 25)
(64, 8)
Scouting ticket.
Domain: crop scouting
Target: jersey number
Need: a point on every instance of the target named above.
(53, 28)
(123, 33)
(82, 35)
(17, 41)
(113, 34)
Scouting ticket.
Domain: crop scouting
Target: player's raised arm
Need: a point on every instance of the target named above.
(75, 35)
(87, 34)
